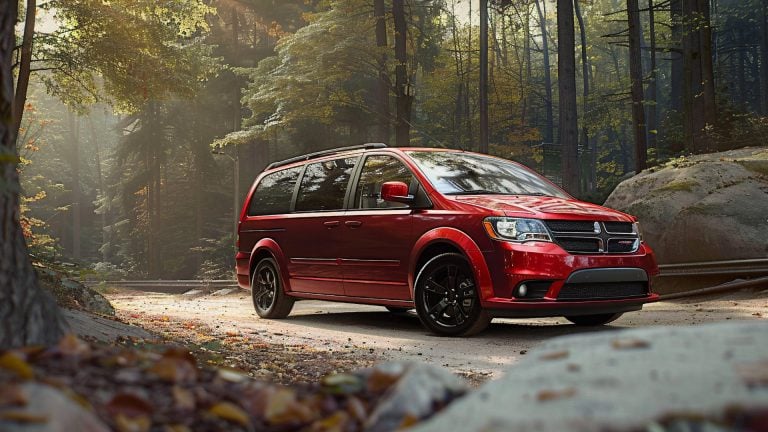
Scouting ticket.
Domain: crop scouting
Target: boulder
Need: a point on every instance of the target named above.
(709, 377)
(702, 208)
(72, 294)
(42, 408)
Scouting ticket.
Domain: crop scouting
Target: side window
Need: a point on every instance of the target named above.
(376, 171)
(274, 192)
(324, 185)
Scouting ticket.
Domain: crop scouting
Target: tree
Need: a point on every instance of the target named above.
(28, 315)
(636, 75)
(566, 68)
(403, 88)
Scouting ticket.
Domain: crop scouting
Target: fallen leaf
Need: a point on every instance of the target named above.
(11, 394)
(550, 395)
(338, 422)
(342, 383)
(22, 417)
(556, 355)
(283, 407)
(129, 405)
(71, 346)
(753, 374)
(622, 344)
(177, 428)
(230, 412)
(176, 365)
(13, 362)
(183, 398)
(379, 381)
(125, 423)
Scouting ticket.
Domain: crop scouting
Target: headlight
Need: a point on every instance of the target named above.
(518, 230)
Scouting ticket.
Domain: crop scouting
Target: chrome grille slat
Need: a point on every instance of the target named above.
(594, 237)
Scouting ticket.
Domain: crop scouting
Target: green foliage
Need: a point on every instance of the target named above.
(124, 51)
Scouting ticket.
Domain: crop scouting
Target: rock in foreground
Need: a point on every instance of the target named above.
(712, 377)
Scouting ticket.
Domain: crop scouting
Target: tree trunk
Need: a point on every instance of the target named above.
(707, 73)
(25, 66)
(382, 84)
(28, 315)
(102, 195)
(566, 67)
(483, 76)
(676, 66)
(764, 58)
(636, 75)
(592, 179)
(74, 137)
(652, 86)
(549, 128)
(402, 86)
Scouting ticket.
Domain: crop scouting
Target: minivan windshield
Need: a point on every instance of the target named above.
(456, 173)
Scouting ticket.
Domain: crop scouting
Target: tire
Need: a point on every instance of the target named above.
(397, 310)
(594, 320)
(269, 299)
(446, 297)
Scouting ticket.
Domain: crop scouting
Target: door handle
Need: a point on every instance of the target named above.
(353, 224)
(332, 224)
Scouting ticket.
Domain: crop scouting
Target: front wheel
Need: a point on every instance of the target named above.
(269, 300)
(594, 320)
(446, 297)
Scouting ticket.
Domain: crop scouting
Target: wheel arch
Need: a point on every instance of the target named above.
(444, 240)
(268, 248)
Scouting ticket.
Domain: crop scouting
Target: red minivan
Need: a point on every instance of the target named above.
(461, 237)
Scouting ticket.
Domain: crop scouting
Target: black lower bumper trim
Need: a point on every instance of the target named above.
(564, 311)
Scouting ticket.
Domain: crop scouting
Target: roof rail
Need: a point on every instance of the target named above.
(324, 153)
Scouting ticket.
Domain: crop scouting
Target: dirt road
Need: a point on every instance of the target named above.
(344, 329)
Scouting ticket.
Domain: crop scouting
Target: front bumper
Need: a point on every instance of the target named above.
(513, 264)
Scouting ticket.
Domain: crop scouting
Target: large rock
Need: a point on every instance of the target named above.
(42, 408)
(702, 208)
(711, 377)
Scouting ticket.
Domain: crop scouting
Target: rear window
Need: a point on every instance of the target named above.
(324, 185)
(274, 192)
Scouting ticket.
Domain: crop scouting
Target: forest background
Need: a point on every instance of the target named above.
(145, 122)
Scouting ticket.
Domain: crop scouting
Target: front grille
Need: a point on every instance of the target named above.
(603, 291)
(622, 245)
(618, 227)
(580, 245)
(571, 226)
(590, 237)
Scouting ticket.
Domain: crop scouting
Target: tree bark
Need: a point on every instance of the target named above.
(382, 83)
(25, 66)
(636, 75)
(676, 64)
(28, 315)
(74, 138)
(764, 58)
(566, 67)
(549, 127)
(652, 85)
(707, 74)
(402, 86)
(592, 179)
(483, 76)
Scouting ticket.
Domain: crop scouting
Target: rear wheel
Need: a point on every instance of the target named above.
(269, 300)
(446, 297)
(594, 320)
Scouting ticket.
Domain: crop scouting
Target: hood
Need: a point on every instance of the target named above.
(543, 207)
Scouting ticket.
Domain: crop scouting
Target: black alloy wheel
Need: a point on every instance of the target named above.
(594, 320)
(447, 299)
(269, 300)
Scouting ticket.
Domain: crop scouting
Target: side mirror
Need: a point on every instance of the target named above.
(396, 192)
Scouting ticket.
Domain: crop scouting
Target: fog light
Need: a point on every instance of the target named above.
(522, 290)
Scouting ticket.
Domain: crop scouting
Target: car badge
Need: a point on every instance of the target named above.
(597, 227)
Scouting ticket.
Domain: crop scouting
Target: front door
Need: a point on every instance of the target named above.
(378, 235)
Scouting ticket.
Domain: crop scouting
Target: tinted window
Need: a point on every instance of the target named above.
(274, 192)
(454, 173)
(376, 171)
(324, 185)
